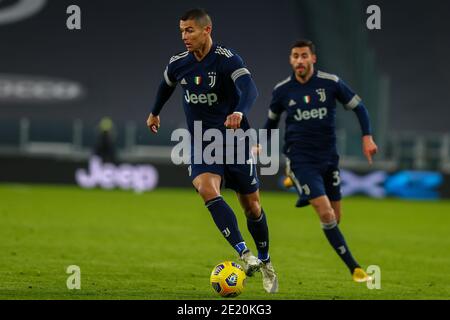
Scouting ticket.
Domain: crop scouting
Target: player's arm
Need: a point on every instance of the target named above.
(351, 101)
(369, 146)
(165, 91)
(273, 119)
(247, 96)
(245, 87)
(275, 111)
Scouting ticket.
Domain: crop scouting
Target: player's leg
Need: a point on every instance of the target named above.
(251, 207)
(328, 219)
(256, 223)
(330, 227)
(208, 186)
(332, 182)
(243, 179)
(314, 187)
(257, 226)
(251, 263)
(336, 205)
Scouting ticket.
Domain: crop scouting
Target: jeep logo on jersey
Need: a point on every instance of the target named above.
(209, 98)
(310, 114)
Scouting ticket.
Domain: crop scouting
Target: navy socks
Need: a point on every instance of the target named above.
(260, 233)
(337, 241)
(226, 221)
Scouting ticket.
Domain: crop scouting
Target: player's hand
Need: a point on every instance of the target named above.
(369, 148)
(233, 120)
(153, 123)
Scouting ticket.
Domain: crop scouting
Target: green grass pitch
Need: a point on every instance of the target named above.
(164, 244)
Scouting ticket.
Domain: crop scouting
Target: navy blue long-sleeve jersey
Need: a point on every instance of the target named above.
(213, 88)
(311, 113)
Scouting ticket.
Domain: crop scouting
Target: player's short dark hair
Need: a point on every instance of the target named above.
(199, 15)
(304, 43)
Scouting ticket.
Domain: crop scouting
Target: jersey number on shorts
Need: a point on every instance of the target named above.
(337, 179)
(306, 190)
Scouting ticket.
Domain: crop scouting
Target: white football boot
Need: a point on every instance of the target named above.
(270, 279)
(251, 263)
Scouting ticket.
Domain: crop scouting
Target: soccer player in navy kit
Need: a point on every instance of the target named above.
(309, 98)
(218, 91)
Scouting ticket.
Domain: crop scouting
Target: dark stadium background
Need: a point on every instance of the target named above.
(117, 59)
(120, 53)
(111, 68)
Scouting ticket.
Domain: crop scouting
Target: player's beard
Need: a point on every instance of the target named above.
(305, 72)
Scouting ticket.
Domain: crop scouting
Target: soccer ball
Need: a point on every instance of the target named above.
(228, 279)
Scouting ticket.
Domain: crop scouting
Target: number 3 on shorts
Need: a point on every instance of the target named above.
(337, 178)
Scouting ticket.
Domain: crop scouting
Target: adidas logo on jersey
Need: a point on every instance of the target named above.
(292, 103)
(310, 114)
(209, 98)
(183, 82)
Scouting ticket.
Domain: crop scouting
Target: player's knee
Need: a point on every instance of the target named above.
(253, 210)
(207, 192)
(327, 215)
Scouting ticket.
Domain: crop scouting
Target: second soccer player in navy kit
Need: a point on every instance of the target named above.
(309, 98)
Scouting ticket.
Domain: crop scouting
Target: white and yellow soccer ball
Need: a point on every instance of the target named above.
(228, 279)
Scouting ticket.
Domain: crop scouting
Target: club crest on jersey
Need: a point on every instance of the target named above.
(307, 99)
(212, 79)
(198, 80)
(322, 95)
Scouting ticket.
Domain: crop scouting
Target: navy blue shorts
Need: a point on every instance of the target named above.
(312, 180)
(241, 178)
